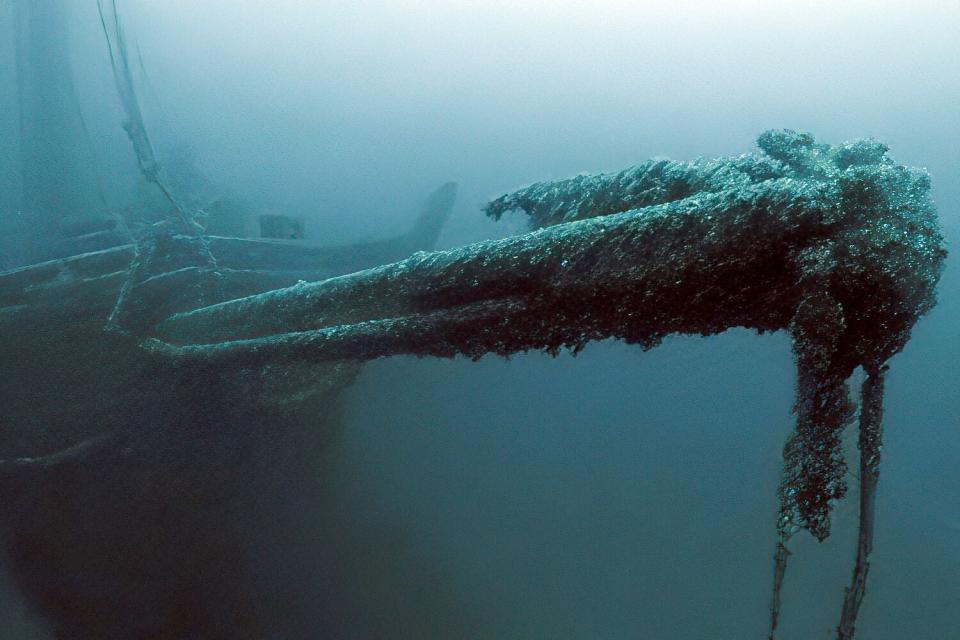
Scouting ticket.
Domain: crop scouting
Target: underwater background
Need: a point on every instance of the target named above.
(615, 494)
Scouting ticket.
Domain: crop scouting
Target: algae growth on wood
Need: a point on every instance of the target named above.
(838, 245)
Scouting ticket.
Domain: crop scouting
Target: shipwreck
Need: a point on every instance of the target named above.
(137, 377)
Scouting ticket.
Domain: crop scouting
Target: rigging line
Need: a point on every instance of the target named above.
(136, 129)
(149, 166)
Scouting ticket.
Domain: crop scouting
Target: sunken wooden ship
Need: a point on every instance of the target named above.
(149, 386)
(165, 390)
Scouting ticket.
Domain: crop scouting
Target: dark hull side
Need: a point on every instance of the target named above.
(157, 534)
(150, 537)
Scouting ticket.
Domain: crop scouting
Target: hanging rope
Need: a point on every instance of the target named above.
(147, 161)
(134, 125)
